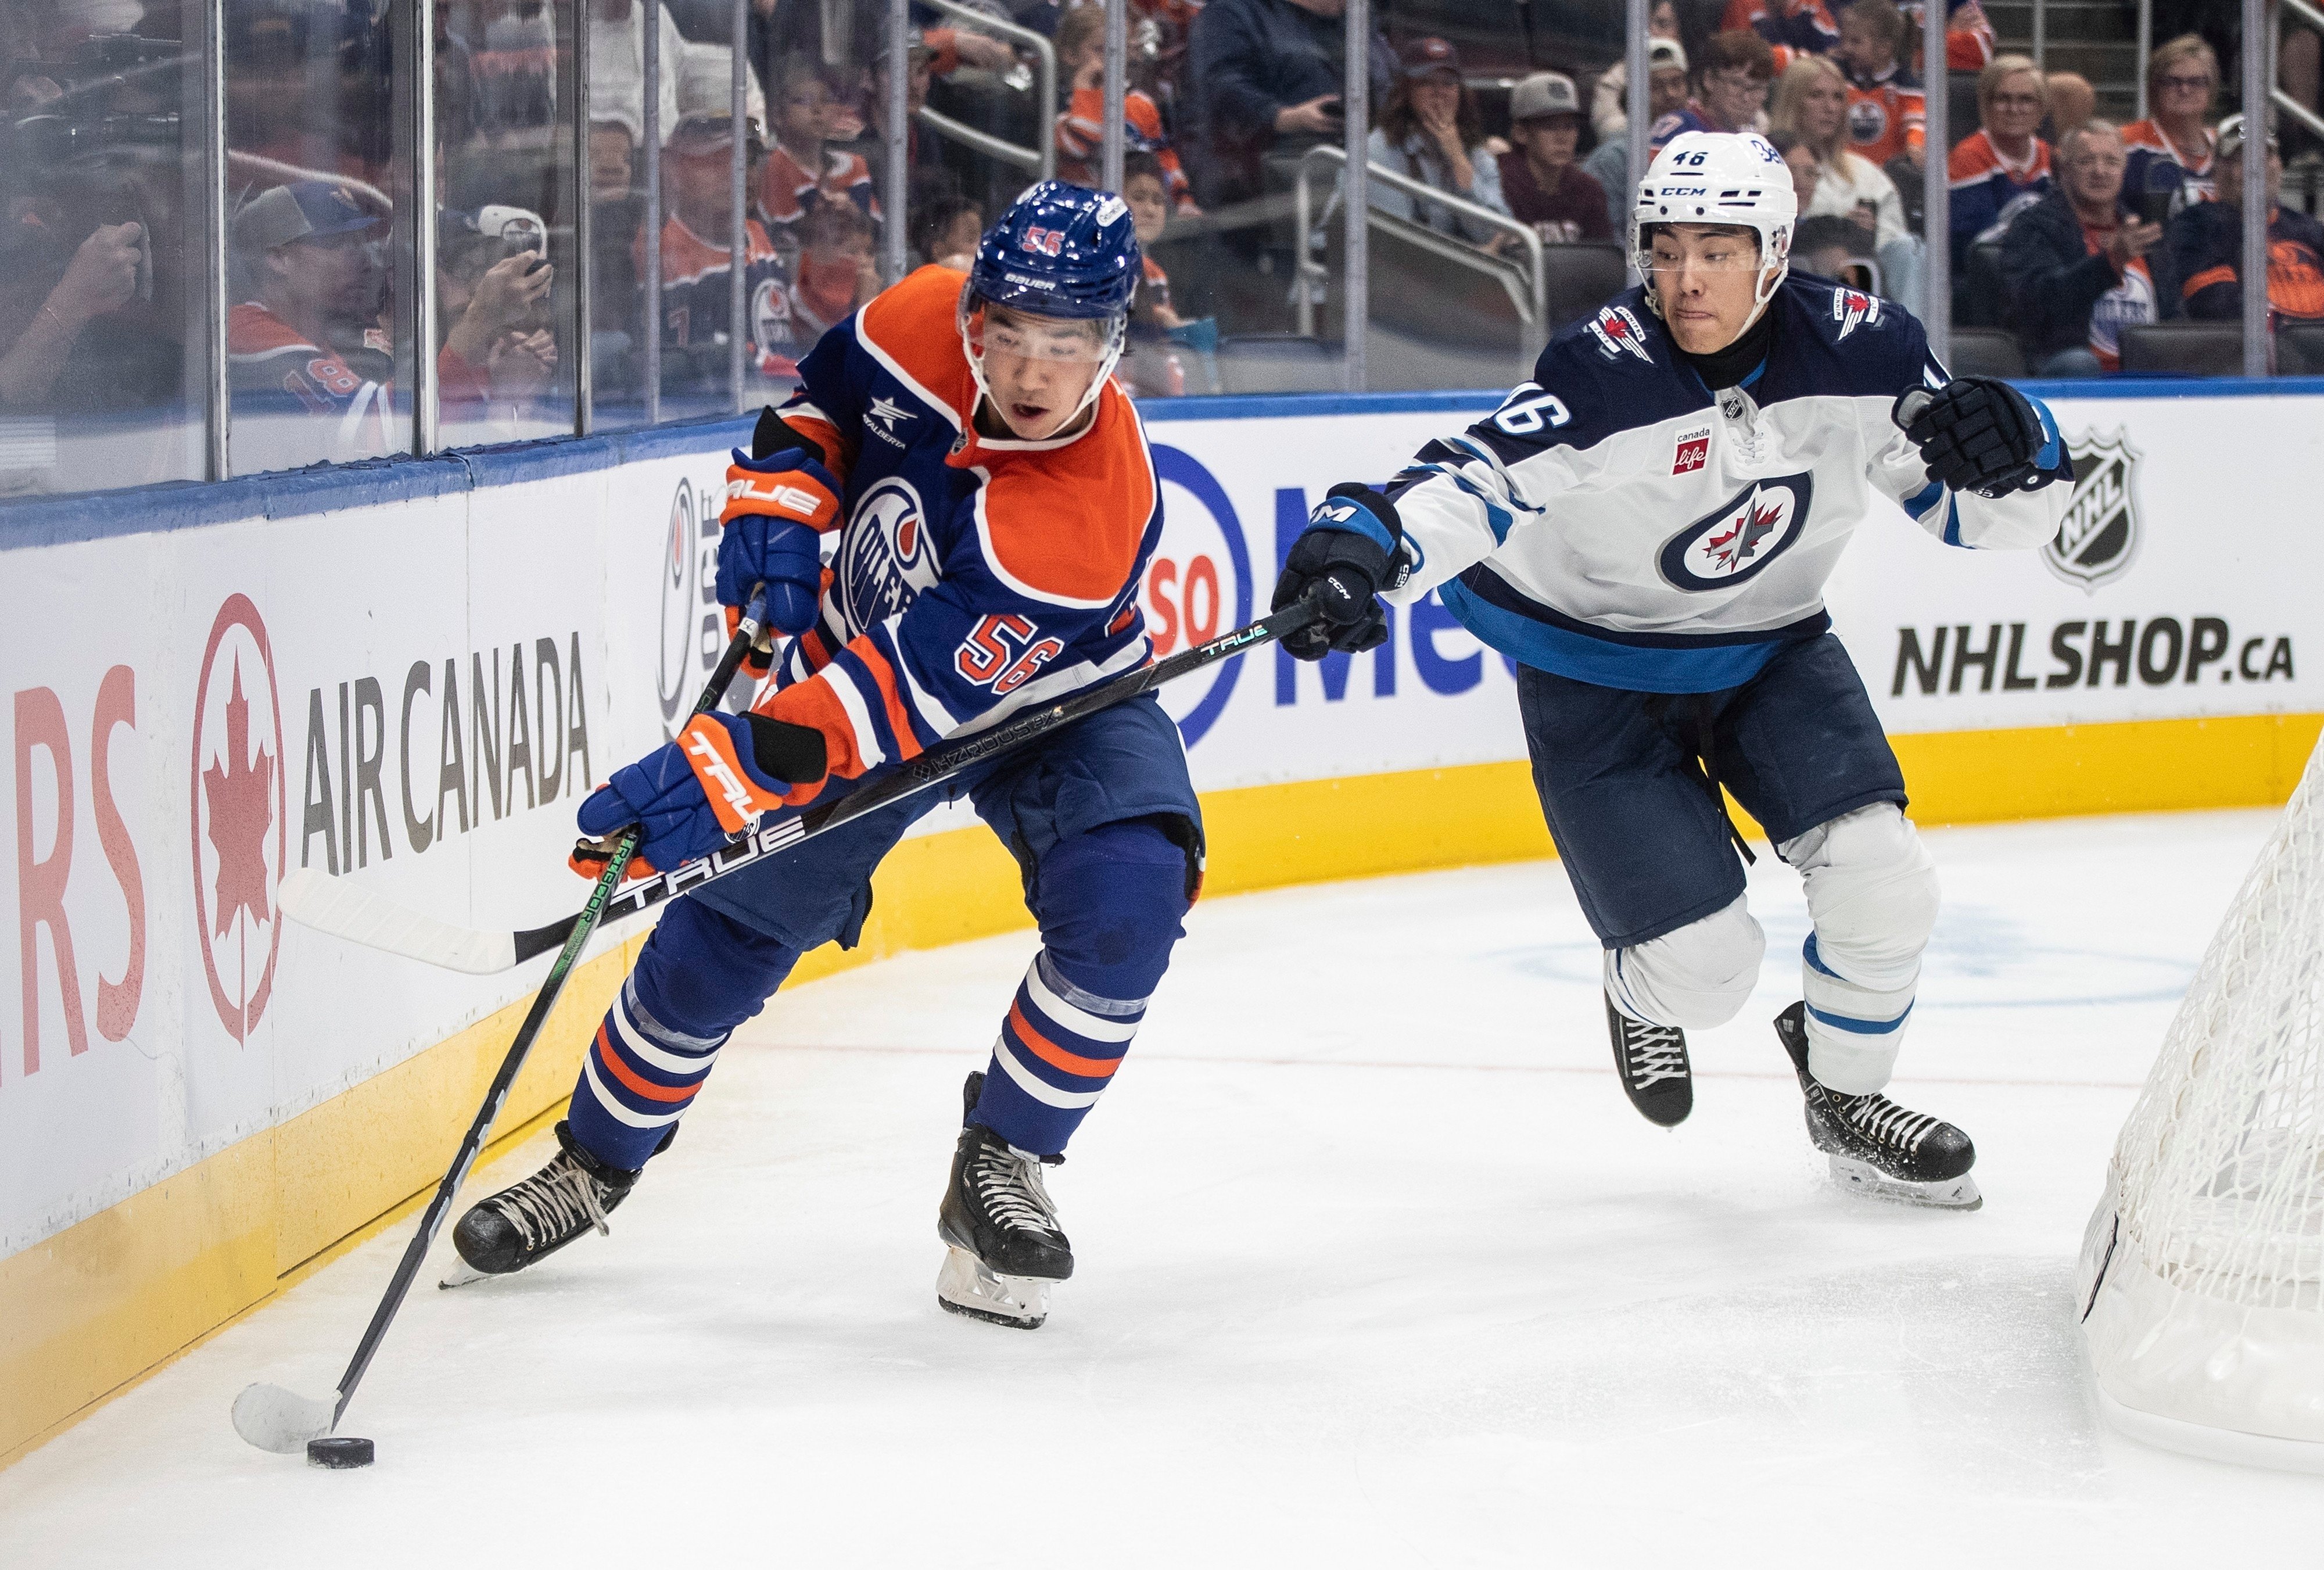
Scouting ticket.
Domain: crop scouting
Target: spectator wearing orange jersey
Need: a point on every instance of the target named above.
(2183, 77)
(1081, 128)
(2207, 245)
(804, 166)
(1970, 41)
(2003, 162)
(1887, 112)
(1801, 26)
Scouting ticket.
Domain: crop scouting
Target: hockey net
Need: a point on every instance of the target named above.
(2202, 1274)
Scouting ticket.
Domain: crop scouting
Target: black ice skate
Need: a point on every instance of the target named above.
(1652, 1060)
(1878, 1148)
(1003, 1244)
(526, 1222)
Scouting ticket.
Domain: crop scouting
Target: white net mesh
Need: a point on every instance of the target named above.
(2202, 1273)
(2219, 1175)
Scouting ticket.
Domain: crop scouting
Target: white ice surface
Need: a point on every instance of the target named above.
(1377, 1268)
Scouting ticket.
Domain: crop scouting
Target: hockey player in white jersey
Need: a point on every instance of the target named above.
(1647, 528)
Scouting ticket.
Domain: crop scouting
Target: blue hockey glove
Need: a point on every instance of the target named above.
(695, 794)
(1348, 553)
(777, 511)
(1979, 433)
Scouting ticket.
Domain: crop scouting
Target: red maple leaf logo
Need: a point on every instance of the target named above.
(242, 808)
(1745, 537)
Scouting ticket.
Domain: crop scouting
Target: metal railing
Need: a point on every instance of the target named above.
(1532, 304)
(1041, 158)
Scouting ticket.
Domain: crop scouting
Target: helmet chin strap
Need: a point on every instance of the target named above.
(1112, 357)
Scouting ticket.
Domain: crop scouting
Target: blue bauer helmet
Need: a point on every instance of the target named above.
(1062, 252)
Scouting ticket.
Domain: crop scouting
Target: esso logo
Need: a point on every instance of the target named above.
(1197, 585)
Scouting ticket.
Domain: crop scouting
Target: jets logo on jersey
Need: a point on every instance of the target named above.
(1852, 310)
(1618, 333)
(1734, 542)
(884, 561)
(1693, 452)
(2097, 540)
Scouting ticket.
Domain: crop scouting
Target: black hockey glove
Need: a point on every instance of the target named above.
(1348, 553)
(1977, 433)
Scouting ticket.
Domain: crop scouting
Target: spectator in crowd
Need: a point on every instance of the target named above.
(946, 231)
(2072, 102)
(515, 70)
(309, 251)
(1887, 113)
(2079, 265)
(1610, 162)
(1801, 160)
(1733, 78)
(1798, 27)
(1540, 180)
(1269, 73)
(1430, 129)
(617, 66)
(1152, 366)
(2207, 245)
(1812, 106)
(493, 281)
(803, 167)
(924, 175)
(98, 277)
(612, 150)
(1970, 41)
(697, 263)
(2173, 145)
(836, 271)
(1833, 247)
(1610, 101)
(2002, 163)
(1081, 127)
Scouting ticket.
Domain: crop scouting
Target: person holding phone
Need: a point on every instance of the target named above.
(2080, 264)
(1268, 76)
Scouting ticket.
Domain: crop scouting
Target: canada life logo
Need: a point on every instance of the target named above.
(241, 819)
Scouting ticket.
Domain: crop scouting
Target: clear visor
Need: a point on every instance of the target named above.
(997, 329)
(1715, 252)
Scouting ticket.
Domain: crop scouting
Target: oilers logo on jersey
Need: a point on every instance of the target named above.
(1735, 542)
(884, 559)
(1867, 121)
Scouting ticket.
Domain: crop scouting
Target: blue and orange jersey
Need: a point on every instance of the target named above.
(1985, 181)
(1800, 26)
(696, 297)
(973, 577)
(2144, 146)
(787, 191)
(1081, 136)
(1886, 114)
(2207, 245)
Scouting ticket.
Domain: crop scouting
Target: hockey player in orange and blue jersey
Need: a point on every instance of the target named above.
(991, 503)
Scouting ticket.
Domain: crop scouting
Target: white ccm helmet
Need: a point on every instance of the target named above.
(1713, 177)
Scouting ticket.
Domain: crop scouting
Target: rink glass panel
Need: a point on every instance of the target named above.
(102, 353)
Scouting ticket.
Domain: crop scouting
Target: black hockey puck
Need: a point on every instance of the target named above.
(338, 1454)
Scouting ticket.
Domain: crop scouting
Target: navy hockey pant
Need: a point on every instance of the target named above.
(1106, 832)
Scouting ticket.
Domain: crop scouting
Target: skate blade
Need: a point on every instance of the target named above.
(966, 1285)
(463, 1274)
(1863, 1178)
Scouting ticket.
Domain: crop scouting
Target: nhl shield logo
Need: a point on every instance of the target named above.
(2100, 538)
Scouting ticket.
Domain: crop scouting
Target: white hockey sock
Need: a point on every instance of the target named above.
(1854, 1032)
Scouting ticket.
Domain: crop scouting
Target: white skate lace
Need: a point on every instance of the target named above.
(1654, 1052)
(1009, 1182)
(1882, 1120)
(553, 1200)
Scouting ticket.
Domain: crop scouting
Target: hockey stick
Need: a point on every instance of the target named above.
(285, 1422)
(331, 905)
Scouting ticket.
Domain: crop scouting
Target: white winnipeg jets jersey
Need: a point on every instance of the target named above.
(1617, 523)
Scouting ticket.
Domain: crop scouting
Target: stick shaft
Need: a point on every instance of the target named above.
(930, 769)
(601, 896)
